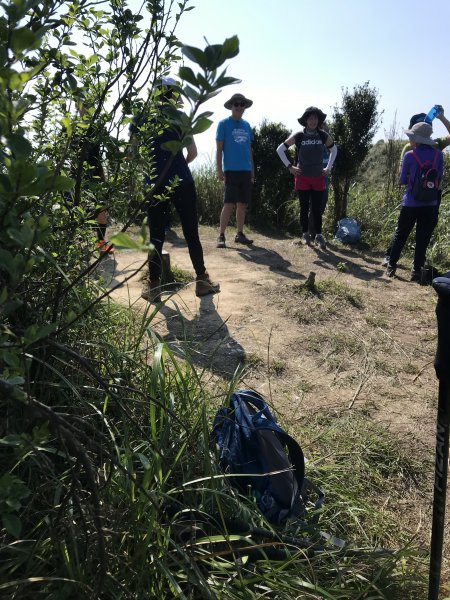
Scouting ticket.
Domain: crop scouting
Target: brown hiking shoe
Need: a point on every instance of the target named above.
(204, 286)
(152, 291)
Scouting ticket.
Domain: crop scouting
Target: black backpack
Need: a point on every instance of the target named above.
(263, 457)
(425, 187)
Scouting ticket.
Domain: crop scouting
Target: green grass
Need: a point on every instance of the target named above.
(323, 300)
(165, 509)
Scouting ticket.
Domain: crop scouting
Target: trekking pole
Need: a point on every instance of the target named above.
(442, 367)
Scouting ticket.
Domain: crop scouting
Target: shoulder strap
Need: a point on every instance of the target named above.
(435, 159)
(295, 452)
(416, 156)
(421, 164)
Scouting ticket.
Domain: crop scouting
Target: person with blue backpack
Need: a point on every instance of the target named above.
(421, 172)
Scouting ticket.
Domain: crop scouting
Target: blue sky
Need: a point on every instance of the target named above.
(295, 53)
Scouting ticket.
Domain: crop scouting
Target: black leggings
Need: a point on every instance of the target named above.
(314, 199)
(425, 219)
(184, 199)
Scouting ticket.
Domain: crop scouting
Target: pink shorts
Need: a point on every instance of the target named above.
(304, 182)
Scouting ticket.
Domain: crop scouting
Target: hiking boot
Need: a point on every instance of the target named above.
(416, 275)
(204, 286)
(241, 238)
(221, 241)
(385, 261)
(320, 241)
(390, 270)
(307, 238)
(152, 291)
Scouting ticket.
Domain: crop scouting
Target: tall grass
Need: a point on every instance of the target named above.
(119, 495)
(209, 192)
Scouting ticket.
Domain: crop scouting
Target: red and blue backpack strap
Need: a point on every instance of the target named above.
(420, 163)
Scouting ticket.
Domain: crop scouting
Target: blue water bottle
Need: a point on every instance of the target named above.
(433, 113)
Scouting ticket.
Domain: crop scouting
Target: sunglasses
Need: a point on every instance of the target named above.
(239, 104)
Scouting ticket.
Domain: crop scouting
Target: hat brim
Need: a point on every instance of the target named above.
(229, 103)
(420, 139)
(321, 115)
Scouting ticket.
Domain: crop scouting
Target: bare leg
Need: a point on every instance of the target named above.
(241, 209)
(225, 216)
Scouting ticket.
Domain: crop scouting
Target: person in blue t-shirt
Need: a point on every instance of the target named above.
(234, 161)
(417, 210)
(172, 170)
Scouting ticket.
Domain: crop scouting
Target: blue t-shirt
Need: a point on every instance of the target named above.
(237, 137)
(409, 170)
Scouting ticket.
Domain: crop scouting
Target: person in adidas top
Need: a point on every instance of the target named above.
(309, 171)
(415, 210)
(234, 161)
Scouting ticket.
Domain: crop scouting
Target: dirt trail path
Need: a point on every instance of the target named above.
(359, 341)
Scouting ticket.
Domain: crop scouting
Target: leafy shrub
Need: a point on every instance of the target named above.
(273, 202)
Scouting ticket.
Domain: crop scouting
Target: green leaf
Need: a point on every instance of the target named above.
(195, 55)
(123, 240)
(67, 124)
(213, 55)
(60, 183)
(173, 146)
(72, 82)
(230, 47)
(144, 460)
(22, 39)
(191, 93)
(18, 380)
(19, 145)
(201, 125)
(222, 81)
(7, 261)
(144, 231)
(187, 74)
(12, 524)
(34, 333)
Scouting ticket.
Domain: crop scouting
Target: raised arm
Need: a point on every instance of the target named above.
(443, 142)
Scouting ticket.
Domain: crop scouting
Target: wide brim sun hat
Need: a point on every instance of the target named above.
(420, 133)
(310, 111)
(238, 98)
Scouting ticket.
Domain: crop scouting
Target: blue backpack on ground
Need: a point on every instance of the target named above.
(263, 457)
(348, 231)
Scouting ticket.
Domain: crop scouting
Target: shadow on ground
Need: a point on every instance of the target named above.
(205, 338)
(270, 258)
(335, 255)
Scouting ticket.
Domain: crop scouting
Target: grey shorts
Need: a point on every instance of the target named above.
(238, 187)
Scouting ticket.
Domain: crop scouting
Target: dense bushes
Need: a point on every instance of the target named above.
(273, 195)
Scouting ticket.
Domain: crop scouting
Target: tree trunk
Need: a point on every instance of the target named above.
(340, 191)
